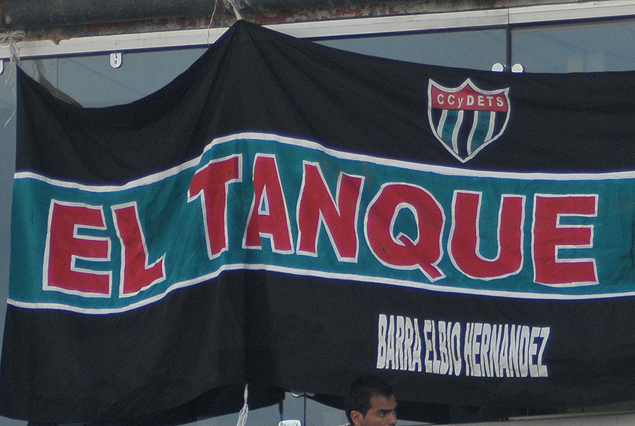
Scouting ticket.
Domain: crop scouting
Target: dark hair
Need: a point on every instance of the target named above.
(361, 391)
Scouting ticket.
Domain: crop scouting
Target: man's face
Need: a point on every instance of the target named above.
(381, 413)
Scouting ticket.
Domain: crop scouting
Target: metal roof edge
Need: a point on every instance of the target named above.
(200, 37)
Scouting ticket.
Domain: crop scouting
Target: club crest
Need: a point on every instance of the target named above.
(466, 119)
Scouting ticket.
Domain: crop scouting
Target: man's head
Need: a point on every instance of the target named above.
(371, 402)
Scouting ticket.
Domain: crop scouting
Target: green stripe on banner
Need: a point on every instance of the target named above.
(258, 201)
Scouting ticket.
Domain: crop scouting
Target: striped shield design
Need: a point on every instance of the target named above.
(466, 119)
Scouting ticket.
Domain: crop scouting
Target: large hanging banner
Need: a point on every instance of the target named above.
(289, 216)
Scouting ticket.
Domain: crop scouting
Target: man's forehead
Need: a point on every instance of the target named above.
(383, 402)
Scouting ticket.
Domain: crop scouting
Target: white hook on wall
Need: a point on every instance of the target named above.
(518, 68)
(115, 59)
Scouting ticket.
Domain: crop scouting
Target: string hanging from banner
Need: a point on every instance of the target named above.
(244, 412)
(211, 20)
(10, 37)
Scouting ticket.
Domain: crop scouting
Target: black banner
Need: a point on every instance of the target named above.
(290, 216)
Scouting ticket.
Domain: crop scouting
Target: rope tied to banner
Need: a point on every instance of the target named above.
(235, 9)
(244, 412)
(11, 37)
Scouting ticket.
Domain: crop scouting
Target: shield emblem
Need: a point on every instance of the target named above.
(466, 119)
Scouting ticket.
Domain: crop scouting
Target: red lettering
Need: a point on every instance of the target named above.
(549, 236)
(136, 272)
(316, 207)
(468, 99)
(268, 216)
(65, 245)
(402, 252)
(464, 240)
(211, 183)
